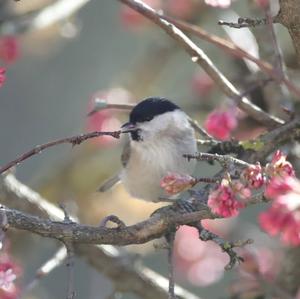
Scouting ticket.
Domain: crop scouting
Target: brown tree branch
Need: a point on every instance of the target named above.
(277, 51)
(234, 50)
(126, 275)
(154, 227)
(243, 23)
(289, 16)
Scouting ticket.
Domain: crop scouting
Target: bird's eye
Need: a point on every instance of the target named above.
(148, 118)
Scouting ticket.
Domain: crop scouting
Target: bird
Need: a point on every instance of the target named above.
(159, 135)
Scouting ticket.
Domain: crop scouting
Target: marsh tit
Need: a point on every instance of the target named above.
(159, 135)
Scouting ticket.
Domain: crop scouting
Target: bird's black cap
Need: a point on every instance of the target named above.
(150, 107)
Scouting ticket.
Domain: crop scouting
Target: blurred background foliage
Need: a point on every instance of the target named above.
(104, 52)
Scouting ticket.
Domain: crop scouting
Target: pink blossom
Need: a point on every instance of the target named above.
(9, 270)
(9, 49)
(220, 124)
(131, 19)
(281, 185)
(7, 278)
(202, 84)
(279, 165)
(253, 175)
(283, 218)
(2, 76)
(223, 201)
(218, 3)
(174, 183)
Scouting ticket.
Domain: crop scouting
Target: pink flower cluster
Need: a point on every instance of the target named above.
(228, 198)
(174, 183)
(283, 217)
(2, 76)
(279, 166)
(220, 123)
(9, 49)
(9, 271)
(281, 186)
(9, 52)
(253, 176)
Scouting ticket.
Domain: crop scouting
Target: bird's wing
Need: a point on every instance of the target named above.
(109, 183)
(126, 153)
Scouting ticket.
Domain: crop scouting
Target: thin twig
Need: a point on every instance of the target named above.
(208, 142)
(200, 130)
(198, 56)
(223, 159)
(243, 23)
(260, 83)
(3, 227)
(207, 180)
(277, 51)
(101, 104)
(226, 246)
(74, 140)
(236, 51)
(67, 218)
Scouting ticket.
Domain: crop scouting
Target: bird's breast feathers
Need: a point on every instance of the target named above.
(150, 161)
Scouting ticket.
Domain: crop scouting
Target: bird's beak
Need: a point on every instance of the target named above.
(128, 127)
